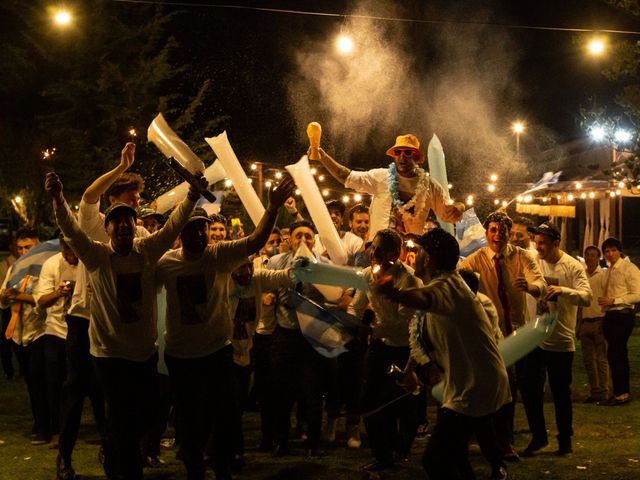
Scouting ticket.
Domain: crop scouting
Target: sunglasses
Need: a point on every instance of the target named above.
(407, 152)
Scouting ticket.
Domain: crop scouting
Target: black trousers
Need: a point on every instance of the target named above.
(503, 419)
(446, 456)
(557, 365)
(79, 383)
(296, 373)
(242, 381)
(151, 440)
(205, 396)
(345, 383)
(130, 391)
(394, 428)
(37, 386)
(7, 348)
(55, 373)
(262, 386)
(617, 327)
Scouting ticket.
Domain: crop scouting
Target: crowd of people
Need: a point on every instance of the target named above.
(87, 326)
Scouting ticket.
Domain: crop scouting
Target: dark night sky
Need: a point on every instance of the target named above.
(249, 56)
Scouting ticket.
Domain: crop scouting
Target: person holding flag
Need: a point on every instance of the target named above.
(392, 428)
(26, 327)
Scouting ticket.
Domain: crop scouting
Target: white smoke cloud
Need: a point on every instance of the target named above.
(467, 92)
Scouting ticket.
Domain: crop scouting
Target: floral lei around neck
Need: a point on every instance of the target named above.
(419, 198)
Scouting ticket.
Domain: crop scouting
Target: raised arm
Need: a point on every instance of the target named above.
(277, 197)
(337, 171)
(78, 240)
(93, 193)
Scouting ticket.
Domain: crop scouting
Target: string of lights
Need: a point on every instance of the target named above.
(381, 18)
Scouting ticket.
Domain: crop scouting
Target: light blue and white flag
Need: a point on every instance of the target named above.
(31, 262)
(320, 328)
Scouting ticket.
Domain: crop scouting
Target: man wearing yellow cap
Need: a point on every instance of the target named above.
(402, 194)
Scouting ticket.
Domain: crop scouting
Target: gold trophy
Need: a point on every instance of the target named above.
(314, 131)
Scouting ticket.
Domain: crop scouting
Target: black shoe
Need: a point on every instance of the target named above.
(590, 399)
(40, 439)
(377, 466)
(564, 447)
(500, 474)
(280, 451)
(64, 471)
(510, 454)
(315, 453)
(533, 447)
(154, 461)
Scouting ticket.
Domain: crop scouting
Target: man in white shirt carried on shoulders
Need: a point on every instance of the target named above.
(402, 194)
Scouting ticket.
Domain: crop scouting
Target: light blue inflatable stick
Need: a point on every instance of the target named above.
(520, 343)
(438, 172)
(162, 324)
(328, 274)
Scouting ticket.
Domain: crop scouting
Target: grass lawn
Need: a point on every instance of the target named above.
(606, 445)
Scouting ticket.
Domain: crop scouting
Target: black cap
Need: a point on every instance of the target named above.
(118, 207)
(149, 212)
(199, 214)
(546, 228)
(336, 205)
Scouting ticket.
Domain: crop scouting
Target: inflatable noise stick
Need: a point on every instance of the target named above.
(190, 178)
(314, 131)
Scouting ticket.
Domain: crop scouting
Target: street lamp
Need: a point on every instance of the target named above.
(518, 128)
(62, 17)
(344, 44)
(596, 46)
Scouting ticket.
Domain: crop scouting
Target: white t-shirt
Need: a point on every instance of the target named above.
(55, 270)
(569, 274)
(375, 182)
(475, 377)
(351, 242)
(91, 221)
(123, 302)
(199, 320)
(30, 325)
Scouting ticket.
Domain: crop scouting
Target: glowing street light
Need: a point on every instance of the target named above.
(344, 44)
(518, 128)
(598, 133)
(596, 46)
(622, 136)
(62, 17)
(494, 178)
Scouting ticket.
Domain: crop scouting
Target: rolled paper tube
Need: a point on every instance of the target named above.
(520, 343)
(165, 202)
(438, 172)
(332, 293)
(245, 191)
(318, 210)
(314, 132)
(327, 274)
(161, 135)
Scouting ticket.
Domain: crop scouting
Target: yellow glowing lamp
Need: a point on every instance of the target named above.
(314, 132)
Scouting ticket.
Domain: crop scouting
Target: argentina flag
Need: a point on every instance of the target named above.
(31, 262)
(320, 328)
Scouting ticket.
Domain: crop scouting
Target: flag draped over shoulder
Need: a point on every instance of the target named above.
(320, 328)
(31, 262)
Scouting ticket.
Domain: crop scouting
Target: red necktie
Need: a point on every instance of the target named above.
(502, 295)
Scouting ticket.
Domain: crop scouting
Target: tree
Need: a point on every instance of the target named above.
(82, 89)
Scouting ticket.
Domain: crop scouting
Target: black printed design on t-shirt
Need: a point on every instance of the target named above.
(192, 293)
(129, 291)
